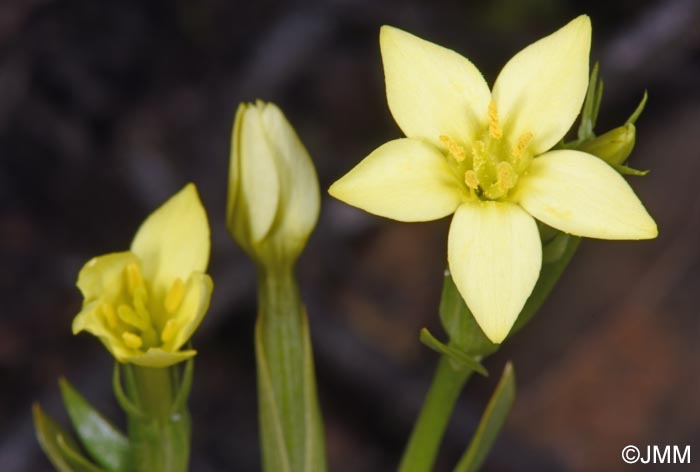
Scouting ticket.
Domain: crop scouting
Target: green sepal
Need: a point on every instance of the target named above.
(459, 360)
(59, 445)
(105, 443)
(491, 422)
(556, 255)
(127, 405)
(638, 111)
(184, 389)
(591, 106)
(627, 170)
(459, 323)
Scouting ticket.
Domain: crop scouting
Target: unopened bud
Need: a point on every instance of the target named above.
(614, 147)
(273, 194)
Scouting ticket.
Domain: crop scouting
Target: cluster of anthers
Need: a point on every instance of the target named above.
(492, 168)
(128, 316)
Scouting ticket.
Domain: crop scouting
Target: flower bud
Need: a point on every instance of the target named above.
(273, 194)
(614, 147)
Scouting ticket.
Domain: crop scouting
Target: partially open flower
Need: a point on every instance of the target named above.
(145, 303)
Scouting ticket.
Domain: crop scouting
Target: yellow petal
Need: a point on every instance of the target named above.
(258, 196)
(89, 319)
(192, 309)
(173, 241)
(495, 256)
(432, 90)
(156, 357)
(404, 179)
(103, 276)
(300, 193)
(580, 194)
(541, 89)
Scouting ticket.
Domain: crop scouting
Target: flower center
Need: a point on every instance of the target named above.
(495, 162)
(129, 318)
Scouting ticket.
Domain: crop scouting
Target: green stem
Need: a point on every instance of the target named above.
(159, 436)
(434, 417)
(290, 420)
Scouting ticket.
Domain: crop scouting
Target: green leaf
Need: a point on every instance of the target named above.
(458, 358)
(105, 443)
(459, 323)
(490, 424)
(59, 445)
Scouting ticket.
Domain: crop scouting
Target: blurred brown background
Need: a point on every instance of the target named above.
(109, 107)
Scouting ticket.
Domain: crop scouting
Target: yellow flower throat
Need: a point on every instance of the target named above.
(129, 318)
(495, 162)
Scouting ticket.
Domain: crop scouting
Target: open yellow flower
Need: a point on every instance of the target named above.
(145, 303)
(485, 156)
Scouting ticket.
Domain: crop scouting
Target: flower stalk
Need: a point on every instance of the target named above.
(159, 425)
(273, 205)
(291, 430)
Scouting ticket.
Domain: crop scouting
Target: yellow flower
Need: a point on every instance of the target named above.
(145, 303)
(273, 194)
(485, 156)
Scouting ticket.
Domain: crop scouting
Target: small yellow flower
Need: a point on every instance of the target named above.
(485, 156)
(145, 303)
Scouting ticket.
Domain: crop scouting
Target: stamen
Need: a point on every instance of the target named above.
(480, 154)
(522, 144)
(110, 315)
(494, 130)
(169, 330)
(174, 296)
(471, 179)
(132, 340)
(133, 277)
(455, 150)
(129, 316)
(140, 303)
(506, 177)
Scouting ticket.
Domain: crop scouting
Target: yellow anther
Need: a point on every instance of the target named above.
(506, 176)
(110, 315)
(471, 179)
(174, 296)
(453, 148)
(169, 330)
(130, 317)
(133, 277)
(522, 144)
(494, 129)
(139, 302)
(132, 340)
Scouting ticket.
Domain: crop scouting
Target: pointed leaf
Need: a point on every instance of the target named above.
(59, 445)
(458, 358)
(105, 443)
(491, 423)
